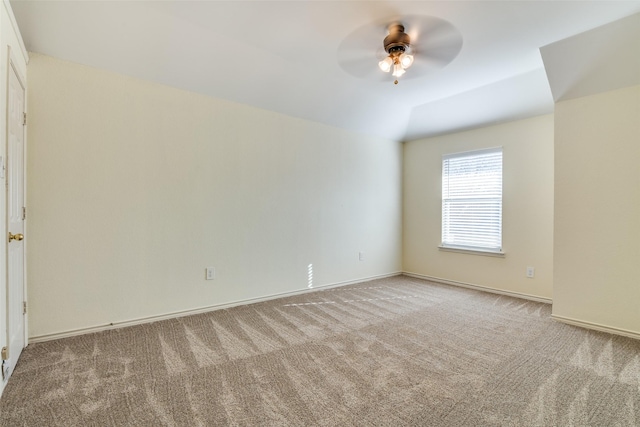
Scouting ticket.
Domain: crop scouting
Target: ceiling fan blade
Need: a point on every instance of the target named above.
(422, 26)
(364, 69)
(436, 41)
(425, 64)
(443, 51)
(368, 37)
(362, 50)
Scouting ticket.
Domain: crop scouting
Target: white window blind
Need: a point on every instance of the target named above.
(472, 200)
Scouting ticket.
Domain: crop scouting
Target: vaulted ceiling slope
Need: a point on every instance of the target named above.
(283, 55)
(605, 58)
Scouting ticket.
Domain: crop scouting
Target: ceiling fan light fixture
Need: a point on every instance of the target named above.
(397, 69)
(385, 64)
(396, 44)
(427, 43)
(406, 60)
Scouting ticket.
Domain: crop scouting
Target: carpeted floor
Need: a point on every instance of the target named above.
(390, 352)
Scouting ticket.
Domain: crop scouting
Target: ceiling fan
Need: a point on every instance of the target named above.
(424, 43)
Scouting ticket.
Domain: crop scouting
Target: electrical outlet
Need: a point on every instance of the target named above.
(530, 272)
(210, 273)
(361, 256)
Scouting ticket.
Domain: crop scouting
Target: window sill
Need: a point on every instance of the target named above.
(472, 251)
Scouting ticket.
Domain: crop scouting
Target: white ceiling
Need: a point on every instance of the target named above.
(282, 55)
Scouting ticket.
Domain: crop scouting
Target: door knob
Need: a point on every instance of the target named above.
(18, 236)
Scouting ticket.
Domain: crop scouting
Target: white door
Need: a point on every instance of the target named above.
(15, 223)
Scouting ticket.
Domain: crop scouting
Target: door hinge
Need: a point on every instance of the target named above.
(24, 213)
(24, 307)
(4, 353)
(24, 119)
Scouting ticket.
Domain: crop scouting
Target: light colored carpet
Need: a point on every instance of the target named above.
(390, 352)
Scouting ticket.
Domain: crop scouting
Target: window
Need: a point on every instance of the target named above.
(472, 201)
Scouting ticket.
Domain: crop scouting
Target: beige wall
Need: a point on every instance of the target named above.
(527, 208)
(597, 210)
(135, 188)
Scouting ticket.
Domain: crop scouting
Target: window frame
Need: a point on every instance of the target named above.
(466, 248)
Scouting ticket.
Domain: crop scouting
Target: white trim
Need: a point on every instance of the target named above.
(497, 149)
(16, 30)
(480, 287)
(596, 326)
(177, 314)
(495, 254)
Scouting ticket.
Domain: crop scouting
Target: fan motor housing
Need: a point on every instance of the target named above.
(397, 40)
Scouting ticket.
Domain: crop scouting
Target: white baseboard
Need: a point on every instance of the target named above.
(479, 287)
(596, 326)
(176, 314)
